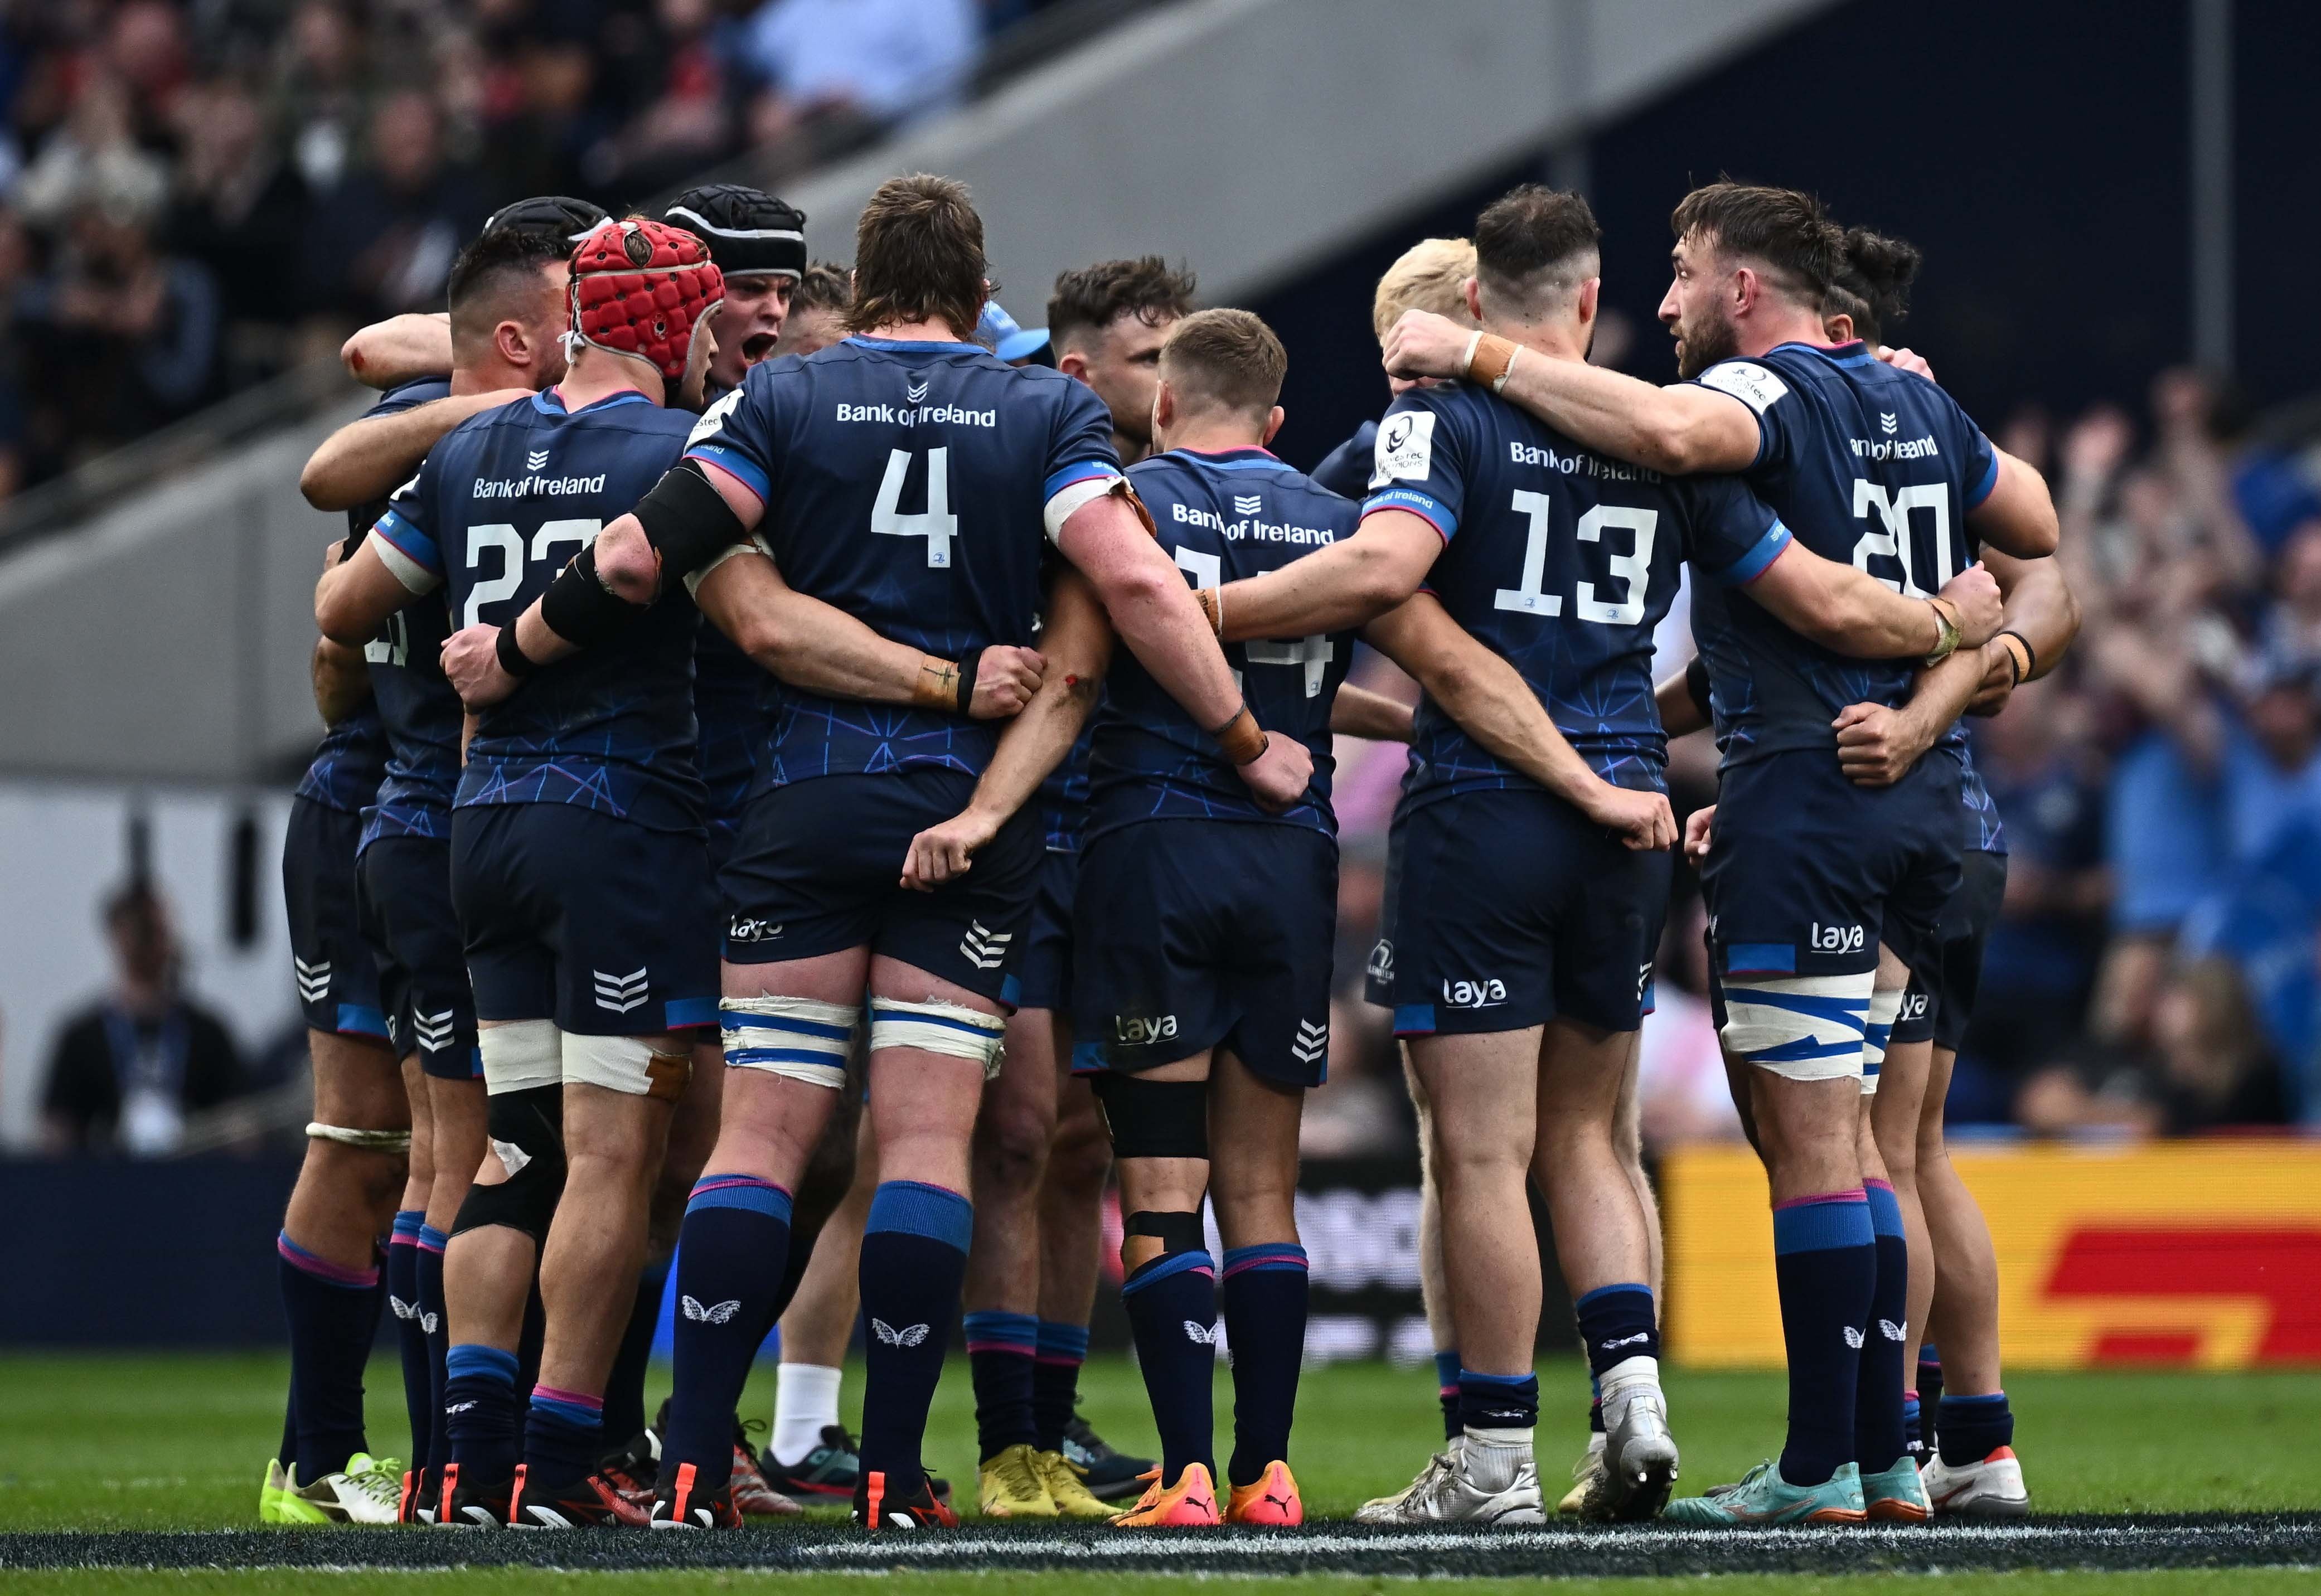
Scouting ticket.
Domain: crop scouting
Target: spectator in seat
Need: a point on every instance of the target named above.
(128, 1069)
(384, 241)
(240, 211)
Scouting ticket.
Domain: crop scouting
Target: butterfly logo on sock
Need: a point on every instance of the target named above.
(716, 1313)
(1200, 1335)
(1853, 1338)
(428, 1322)
(1638, 1339)
(1889, 1329)
(908, 1335)
(402, 1309)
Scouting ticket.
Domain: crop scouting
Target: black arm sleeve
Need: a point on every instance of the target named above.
(687, 521)
(1696, 683)
(580, 609)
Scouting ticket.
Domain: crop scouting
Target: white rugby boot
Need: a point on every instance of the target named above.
(1448, 1492)
(1991, 1489)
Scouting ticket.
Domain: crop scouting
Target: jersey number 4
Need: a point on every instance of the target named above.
(509, 541)
(935, 523)
(1634, 568)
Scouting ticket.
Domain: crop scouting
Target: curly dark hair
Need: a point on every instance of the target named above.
(1091, 298)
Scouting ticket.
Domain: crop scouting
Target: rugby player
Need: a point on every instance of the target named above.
(357, 1146)
(1026, 1334)
(820, 444)
(1521, 1018)
(1953, 1271)
(1951, 1262)
(506, 291)
(1816, 871)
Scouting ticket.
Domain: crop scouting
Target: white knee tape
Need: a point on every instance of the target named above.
(800, 1037)
(950, 1029)
(1803, 1028)
(377, 1141)
(629, 1064)
(520, 1054)
(1884, 1005)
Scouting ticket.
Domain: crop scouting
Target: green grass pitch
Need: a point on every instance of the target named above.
(152, 1443)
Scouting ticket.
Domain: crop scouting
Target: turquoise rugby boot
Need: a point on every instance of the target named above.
(1897, 1495)
(1765, 1498)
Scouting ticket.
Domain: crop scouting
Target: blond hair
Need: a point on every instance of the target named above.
(1430, 276)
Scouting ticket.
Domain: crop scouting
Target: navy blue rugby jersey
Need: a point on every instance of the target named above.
(1346, 469)
(906, 483)
(417, 708)
(1869, 467)
(501, 505)
(1563, 561)
(1223, 517)
(349, 763)
(732, 695)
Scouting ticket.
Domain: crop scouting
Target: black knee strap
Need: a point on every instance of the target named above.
(1154, 1119)
(686, 520)
(531, 1122)
(1179, 1232)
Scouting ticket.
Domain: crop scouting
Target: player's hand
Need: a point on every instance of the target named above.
(1876, 746)
(471, 664)
(1907, 360)
(945, 852)
(1698, 825)
(1643, 820)
(1279, 775)
(1424, 344)
(1974, 593)
(1006, 679)
(1998, 684)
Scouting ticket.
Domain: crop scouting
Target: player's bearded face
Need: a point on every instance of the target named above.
(1695, 310)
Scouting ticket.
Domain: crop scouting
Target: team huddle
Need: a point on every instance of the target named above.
(812, 791)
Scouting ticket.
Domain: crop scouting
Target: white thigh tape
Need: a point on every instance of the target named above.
(949, 1028)
(628, 1065)
(1803, 1028)
(1884, 1004)
(377, 1141)
(520, 1054)
(800, 1037)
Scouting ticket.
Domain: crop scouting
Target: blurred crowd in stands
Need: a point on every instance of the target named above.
(195, 195)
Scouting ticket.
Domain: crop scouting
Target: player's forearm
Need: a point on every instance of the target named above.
(1846, 610)
(367, 460)
(341, 680)
(1357, 711)
(2041, 609)
(1077, 643)
(400, 349)
(1152, 610)
(2018, 517)
(1335, 589)
(1676, 430)
(1941, 694)
(806, 642)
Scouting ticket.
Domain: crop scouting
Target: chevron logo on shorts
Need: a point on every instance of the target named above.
(313, 980)
(984, 948)
(620, 993)
(435, 1031)
(1313, 1041)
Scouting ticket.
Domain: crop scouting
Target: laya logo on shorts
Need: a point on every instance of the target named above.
(751, 930)
(1836, 939)
(1487, 993)
(1129, 1031)
(1914, 1006)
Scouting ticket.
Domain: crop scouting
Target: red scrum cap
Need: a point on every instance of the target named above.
(640, 288)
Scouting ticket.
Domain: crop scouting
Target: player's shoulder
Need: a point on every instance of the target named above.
(1762, 381)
